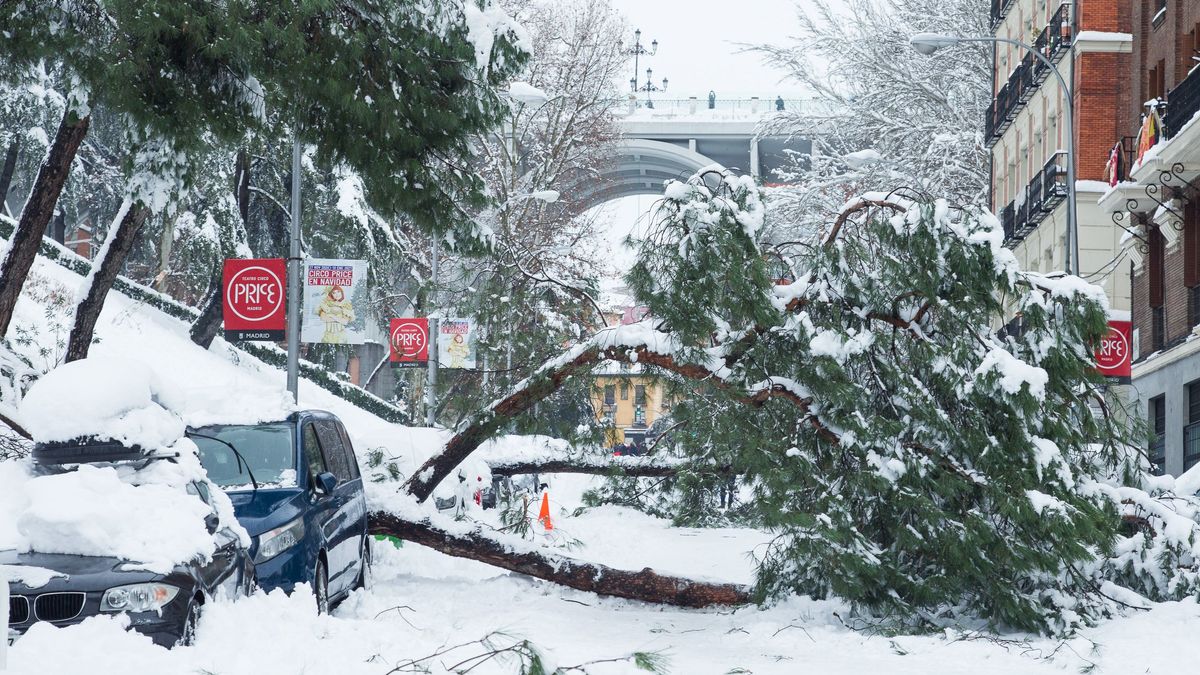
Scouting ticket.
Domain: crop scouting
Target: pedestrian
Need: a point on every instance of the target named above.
(712, 99)
(779, 103)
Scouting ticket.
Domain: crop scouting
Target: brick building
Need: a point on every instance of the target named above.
(1089, 43)
(1157, 203)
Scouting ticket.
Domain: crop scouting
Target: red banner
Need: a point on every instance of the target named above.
(409, 340)
(1114, 355)
(255, 305)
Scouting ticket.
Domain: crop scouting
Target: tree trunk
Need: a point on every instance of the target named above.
(476, 544)
(6, 174)
(627, 469)
(36, 215)
(104, 273)
(208, 324)
(205, 328)
(165, 246)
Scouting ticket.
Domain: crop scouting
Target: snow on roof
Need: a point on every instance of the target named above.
(146, 517)
(111, 398)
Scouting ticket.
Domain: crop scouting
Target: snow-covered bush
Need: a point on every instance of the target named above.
(912, 459)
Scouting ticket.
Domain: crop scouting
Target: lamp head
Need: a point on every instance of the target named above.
(928, 43)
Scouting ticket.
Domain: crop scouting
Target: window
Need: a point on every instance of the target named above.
(351, 460)
(639, 394)
(624, 391)
(1156, 272)
(610, 394)
(1191, 432)
(1158, 421)
(1156, 82)
(334, 451)
(312, 452)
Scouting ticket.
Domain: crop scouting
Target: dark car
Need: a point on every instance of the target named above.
(296, 488)
(165, 607)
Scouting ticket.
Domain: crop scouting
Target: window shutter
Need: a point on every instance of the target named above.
(1157, 272)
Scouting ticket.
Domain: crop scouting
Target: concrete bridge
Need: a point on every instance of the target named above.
(676, 138)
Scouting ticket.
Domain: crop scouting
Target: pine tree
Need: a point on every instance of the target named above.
(909, 459)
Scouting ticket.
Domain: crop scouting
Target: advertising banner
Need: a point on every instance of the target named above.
(254, 299)
(335, 301)
(409, 340)
(456, 343)
(1114, 355)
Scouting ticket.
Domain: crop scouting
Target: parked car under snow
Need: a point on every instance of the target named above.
(114, 514)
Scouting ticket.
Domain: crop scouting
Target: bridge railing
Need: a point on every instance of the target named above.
(736, 107)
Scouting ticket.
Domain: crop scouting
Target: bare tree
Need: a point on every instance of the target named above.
(883, 116)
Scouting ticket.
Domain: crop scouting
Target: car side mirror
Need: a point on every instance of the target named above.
(327, 482)
(211, 523)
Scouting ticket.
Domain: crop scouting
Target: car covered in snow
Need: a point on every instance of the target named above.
(163, 603)
(113, 515)
(296, 488)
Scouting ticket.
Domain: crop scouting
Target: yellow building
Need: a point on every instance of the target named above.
(630, 398)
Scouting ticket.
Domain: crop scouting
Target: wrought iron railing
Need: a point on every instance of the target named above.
(1045, 191)
(1183, 102)
(1158, 455)
(1191, 445)
(1000, 10)
(1053, 42)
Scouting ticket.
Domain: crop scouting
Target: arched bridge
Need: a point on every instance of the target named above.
(677, 138)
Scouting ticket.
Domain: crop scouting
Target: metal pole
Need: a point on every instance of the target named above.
(1072, 216)
(293, 323)
(432, 372)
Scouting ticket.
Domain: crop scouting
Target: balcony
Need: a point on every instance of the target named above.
(1182, 103)
(1053, 42)
(1000, 10)
(1040, 197)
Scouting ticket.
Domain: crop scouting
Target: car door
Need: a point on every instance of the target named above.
(358, 500)
(343, 539)
(322, 506)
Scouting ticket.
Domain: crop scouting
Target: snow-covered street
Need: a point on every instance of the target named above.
(424, 603)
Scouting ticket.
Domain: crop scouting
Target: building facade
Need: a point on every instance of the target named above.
(1156, 202)
(1089, 44)
(630, 399)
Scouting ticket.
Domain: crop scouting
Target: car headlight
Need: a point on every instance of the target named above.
(137, 597)
(276, 541)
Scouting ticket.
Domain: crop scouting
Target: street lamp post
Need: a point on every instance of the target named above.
(637, 50)
(928, 43)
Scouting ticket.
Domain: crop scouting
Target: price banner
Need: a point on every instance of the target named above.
(409, 340)
(254, 304)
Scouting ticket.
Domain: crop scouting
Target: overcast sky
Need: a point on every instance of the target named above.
(697, 44)
(699, 48)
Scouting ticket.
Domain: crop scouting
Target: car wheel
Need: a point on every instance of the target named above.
(364, 574)
(321, 587)
(187, 637)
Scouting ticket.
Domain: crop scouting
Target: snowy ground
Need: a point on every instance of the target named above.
(423, 602)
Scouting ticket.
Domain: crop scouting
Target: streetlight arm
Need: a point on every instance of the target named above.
(935, 42)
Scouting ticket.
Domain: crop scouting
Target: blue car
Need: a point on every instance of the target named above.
(296, 488)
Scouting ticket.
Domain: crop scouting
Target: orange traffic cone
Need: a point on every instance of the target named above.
(544, 512)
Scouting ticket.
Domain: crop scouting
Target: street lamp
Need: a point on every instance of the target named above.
(928, 43)
(637, 50)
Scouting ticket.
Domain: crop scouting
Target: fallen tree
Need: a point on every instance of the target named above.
(652, 468)
(517, 555)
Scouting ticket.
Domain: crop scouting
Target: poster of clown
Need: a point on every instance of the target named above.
(335, 301)
(456, 343)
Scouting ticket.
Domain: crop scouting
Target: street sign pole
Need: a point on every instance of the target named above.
(432, 373)
(293, 307)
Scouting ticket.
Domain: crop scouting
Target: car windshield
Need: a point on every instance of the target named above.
(267, 448)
